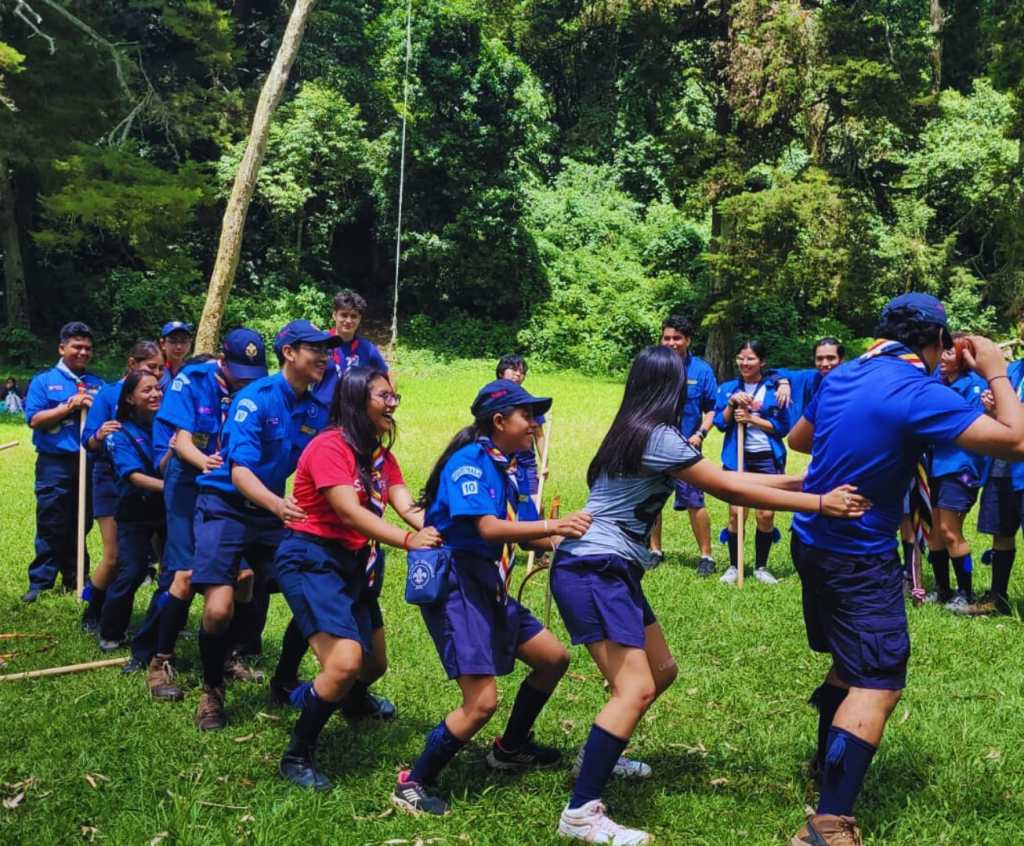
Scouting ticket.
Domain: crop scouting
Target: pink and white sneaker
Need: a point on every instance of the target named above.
(591, 824)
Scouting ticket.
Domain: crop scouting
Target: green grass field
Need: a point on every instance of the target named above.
(90, 757)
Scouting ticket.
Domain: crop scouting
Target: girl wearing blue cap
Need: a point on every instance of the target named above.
(751, 399)
(596, 579)
(175, 343)
(140, 508)
(478, 501)
(330, 566)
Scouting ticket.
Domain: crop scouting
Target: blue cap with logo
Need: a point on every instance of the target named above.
(303, 332)
(503, 393)
(175, 326)
(245, 354)
(923, 307)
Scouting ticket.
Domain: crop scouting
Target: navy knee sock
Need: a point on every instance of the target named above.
(600, 754)
(733, 542)
(316, 711)
(826, 698)
(95, 596)
(293, 647)
(762, 547)
(939, 559)
(1002, 564)
(440, 748)
(528, 705)
(846, 764)
(963, 567)
(213, 648)
(173, 618)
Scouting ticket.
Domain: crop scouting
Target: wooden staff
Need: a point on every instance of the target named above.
(82, 464)
(556, 504)
(540, 485)
(60, 671)
(8, 445)
(741, 437)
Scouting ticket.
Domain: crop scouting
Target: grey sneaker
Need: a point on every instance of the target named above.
(706, 566)
(625, 768)
(764, 577)
(959, 604)
(729, 576)
(412, 798)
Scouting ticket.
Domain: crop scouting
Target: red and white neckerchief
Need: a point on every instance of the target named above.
(377, 506)
(507, 466)
(920, 492)
(342, 361)
(225, 401)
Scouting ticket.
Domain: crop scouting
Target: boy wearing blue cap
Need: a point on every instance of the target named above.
(194, 410)
(241, 505)
(868, 425)
(54, 409)
(175, 343)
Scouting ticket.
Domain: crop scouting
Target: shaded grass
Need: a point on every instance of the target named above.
(727, 741)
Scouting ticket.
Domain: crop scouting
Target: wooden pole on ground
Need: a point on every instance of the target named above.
(741, 516)
(8, 445)
(80, 548)
(60, 671)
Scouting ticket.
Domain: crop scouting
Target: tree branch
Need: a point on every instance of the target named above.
(32, 19)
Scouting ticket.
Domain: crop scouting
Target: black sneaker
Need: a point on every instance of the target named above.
(300, 770)
(135, 664)
(412, 798)
(706, 567)
(529, 754)
(91, 626)
(281, 691)
(30, 596)
(368, 707)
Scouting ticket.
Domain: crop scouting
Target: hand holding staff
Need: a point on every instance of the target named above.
(741, 514)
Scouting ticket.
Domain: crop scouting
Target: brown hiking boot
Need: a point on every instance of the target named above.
(210, 713)
(160, 679)
(235, 669)
(987, 604)
(828, 830)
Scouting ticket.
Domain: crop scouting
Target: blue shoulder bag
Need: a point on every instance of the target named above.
(426, 582)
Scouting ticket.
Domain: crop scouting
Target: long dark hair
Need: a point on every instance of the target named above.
(482, 426)
(125, 410)
(143, 351)
(348, 413)
(654, 396)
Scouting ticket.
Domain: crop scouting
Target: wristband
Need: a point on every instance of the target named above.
(405, 540)
(1001, 376)
(546, 532)
(820, 504)
(703, 434)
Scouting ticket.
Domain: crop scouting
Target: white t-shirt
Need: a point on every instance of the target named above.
(757, 439)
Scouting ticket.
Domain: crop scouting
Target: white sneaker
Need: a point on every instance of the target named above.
(625, 768)
(591, 824)
(764, 577)
(958, 604)
(729, 576)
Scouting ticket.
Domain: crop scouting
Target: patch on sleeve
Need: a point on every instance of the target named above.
(467, 470)
(469, 488)
(244, 407)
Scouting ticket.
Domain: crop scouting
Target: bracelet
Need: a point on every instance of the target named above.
(1001, 376)
(820, 504)
(405, 540)
(546, 532)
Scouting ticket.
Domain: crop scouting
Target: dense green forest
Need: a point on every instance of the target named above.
(575, 169)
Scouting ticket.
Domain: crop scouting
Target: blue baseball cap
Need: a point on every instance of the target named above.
(924, 307)
(175, 326)
(245, 354)
(503, 393)
(303, 332)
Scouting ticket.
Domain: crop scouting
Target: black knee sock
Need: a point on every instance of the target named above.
(95, 606)
(528, 705)
(762, 547)
(173, 618)
(939, 559)
(440, 748)
(316, 711)
(963, 567)
(1002, 564)
(826, 698)
(733, 542)
(846, 764)
(293, 647)
(908, 557)
(213, 649)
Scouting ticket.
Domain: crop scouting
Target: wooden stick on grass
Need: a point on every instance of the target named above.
(60, 671)
(8, 445)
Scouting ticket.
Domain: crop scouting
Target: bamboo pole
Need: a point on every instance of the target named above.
(741, 515)
(540, 484)
(80, 547)
(60, 671)
(8, 445)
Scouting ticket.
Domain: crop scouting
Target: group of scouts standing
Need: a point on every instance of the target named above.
(192, 459)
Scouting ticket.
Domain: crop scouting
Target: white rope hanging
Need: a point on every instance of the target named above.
(401, 175)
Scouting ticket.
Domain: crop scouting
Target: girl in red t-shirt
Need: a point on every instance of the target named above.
(330, 566)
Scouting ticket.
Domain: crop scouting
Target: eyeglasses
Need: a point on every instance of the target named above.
(388, 398)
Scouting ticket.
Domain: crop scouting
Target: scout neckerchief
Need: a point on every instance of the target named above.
(343, 361)
(67, 371)
(377, 506)
(507, 466)
(920, 493)
(225, 401)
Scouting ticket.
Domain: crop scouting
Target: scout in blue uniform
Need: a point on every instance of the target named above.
(175, 343)
(193, 412)
(473, 499)
(54, 406)
(794, 388)
(869, 424)
(1001, 514)
(330, 565)
(956, 477)
(751, 399)
(353, 351)
(100, 422)
(696, 420)
(513, 368)
(596, 579)
(242, 504)
(140, 508)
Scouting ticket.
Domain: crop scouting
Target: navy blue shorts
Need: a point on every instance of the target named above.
(954, 492)
(181, 490)
(687, 496)
(761, 462)
(475, 633)
(855, 611)
(104, 489)
(600, 598)
(227, 529)
(1002, 508)
(325, 586)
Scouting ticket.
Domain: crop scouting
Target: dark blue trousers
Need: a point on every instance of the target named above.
(57, 520)
(135, 553)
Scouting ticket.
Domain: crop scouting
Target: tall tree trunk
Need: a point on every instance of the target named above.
(232, 229)
(15, 290)
(937, 18)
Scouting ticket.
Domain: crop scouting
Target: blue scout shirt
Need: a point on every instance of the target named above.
(701, 389)
(472, 486)
(358, 352)
(103, 408)
(947, 458)
(197, 402)
(324, 389)
(770, 411)
(1015, 371)
(873, 419)
(267, 428)
(48, 390)
(803, 384)
(123, 447)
